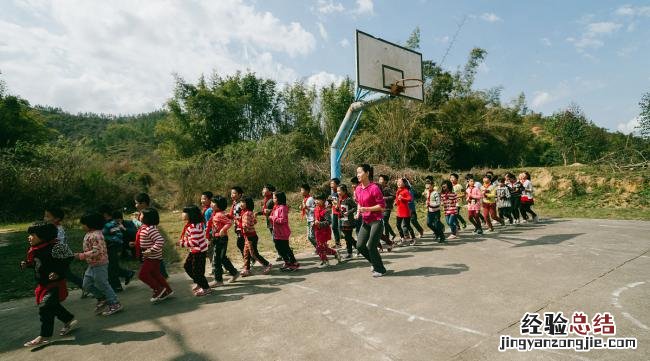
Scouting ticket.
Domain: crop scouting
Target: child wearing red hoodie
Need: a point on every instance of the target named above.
(323, 232)
(279, 219)
(402, 199)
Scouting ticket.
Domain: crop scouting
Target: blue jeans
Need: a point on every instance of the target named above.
(96, 282)
(451, 221)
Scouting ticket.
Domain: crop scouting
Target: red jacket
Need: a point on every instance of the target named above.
(280, 219)
(402, 204)
(322, 221)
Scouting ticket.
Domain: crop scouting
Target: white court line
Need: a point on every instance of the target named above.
(8, 309)
(617, 293)
(409, 317)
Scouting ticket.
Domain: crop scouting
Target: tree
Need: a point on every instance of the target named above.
(20, 122)
(644, 117)
(568, 129)
(335, 101)
(413, 41)
(464, 80)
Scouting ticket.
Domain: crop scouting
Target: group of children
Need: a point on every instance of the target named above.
(206, 229)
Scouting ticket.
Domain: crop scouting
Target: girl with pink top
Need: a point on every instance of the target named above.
(371, 205)
(474, 196)
(279, 220)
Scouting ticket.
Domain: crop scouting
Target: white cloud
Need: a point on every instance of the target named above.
(442, 39)
(541, 98)
(323, 79)
(329, 7)
(344, 43)
(592, 36)
(490, 17)
(365, 7)
(629, 126)
(546, 41)
(322, 31)
(594, 29)
(628, 10)
(119, 57)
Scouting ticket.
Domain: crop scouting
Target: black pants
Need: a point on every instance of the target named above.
(282, 246)
(516, 206)
(404, 227)
(434, 223)
(114, 269)
(336, 226)
(240, 242)
(388, 230)
(525, 209)
(367, 242)
(460, 218)
(505, 212)
(349, 240)
(220, 258)
(195, 268)
(48, 309)
(415, 223)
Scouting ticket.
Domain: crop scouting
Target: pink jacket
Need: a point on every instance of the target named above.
(474, 196)
(280, 220)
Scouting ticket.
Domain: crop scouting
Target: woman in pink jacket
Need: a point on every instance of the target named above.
(474, 196)
(279, 219)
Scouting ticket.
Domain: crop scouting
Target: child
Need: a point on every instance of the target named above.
(143, 201)
(279, 218)
(389, 200)
(433, 210)
(113, 236)
(247, 223)
(206, 210)
(515, 187)
(307, 212)
(193, 237)
(333, 198)
(414, 213)
(503, 200)
(402, 199)
(478, 186)
(129, 230)
(474, 197)
(96, 276)
(217, 232)
(323, 232)
(55, 216)
(527, 199)
(489, 206)
(149, 244)
(347, 208)
(266, 206)
(235, 215)
(460, 192)
(450, 200)
(50, 259)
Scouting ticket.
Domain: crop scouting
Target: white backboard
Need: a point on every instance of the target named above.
(380, 63)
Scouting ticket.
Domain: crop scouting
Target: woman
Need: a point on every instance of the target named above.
(370, 207)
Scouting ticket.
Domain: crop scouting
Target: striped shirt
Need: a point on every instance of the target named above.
(150, 238)
(247, 222)
(450, 200)
(194, 237)
(219, 222)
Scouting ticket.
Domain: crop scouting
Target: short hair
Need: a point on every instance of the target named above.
(194, 214)
(105, 209)
(43, 230)
(142, 198)
(447, 182)
(489, 172)
(221, 202)
(320, 196)
(270, 187)
(306, 187)
(248, 201)
(335, 180)
(208, 194)
(237, 189)
(386, 177)
(354, 180)
(93, 220)
(117, 214)
(469, 176)
(56, 212)
(150, 217)
(281, 197)
(343, 188)
(510, 175)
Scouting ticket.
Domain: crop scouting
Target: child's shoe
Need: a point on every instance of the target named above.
(234, 278)
(166, 294)
(245, 273)
(38, 341)
(324, 264)
(100, 306)
(68, 327)
(116, 307)
(202, 292)
(267, 269)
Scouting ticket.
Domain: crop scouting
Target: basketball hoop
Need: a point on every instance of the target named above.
(400, 85)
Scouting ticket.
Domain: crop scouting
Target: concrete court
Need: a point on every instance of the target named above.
(438, 302)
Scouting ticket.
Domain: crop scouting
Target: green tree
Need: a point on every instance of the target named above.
(413, 42)
(335, 101)
(20, 122)
(644, 117)
(464, 80)
(569, 131)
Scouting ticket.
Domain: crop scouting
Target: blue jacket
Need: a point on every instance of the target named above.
(112, 233)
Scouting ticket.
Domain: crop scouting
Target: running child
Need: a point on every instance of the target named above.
(347, 209)
(402, 199)
(433, 202)
(55, 216)
(142, 201)
(333, 200)
(503, 200)
(193, 237)
(389, 200)
(217, 231)
(460, 192)
(279, 219)
(247, 223)
(527, 199)
(149, 244)
(307, 212)
(323, 232)
(474, 197)
(489, 206)
(515, 188)
(113, 237)
(206, 210)
(450, 201)
(414, 213)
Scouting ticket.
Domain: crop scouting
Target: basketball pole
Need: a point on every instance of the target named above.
(346, 131)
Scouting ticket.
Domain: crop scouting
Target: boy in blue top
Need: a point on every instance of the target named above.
(113, 237)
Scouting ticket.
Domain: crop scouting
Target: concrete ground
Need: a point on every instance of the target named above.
(438, 302)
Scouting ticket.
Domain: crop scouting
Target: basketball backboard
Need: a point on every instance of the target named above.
(381, 63)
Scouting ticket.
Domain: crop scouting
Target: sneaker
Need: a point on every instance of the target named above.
(285, 267)
(413, 242)
(128, 279)
(195, 288)
(215, 284)
(245, 273)
(68, 327)
(202, 292)
(234, 278)
(377, 274)
(324, 264)
(480, 231)
(166, 294)
(38, 341)
(116, 307)
(453, 236)
(294, 267)
(99, 307)
(267, 269)
(337, 257)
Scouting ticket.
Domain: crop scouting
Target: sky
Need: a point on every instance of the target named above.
(120, 57)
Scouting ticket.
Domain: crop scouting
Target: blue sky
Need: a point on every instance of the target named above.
(119, 57)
